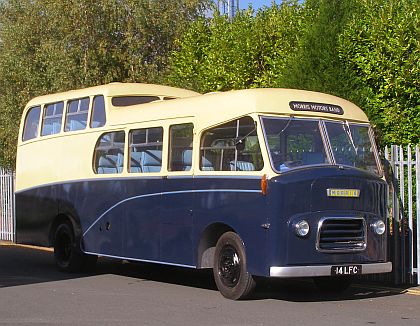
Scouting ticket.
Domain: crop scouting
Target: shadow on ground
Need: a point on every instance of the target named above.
(22, 265)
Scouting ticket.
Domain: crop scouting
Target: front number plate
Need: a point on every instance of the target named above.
(346, 270)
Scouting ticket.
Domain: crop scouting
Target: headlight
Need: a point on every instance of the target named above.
(301, 228)
(379, 227)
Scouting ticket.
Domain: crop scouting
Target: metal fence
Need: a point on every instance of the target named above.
(403, 171)
(402, 167)
(7, 205)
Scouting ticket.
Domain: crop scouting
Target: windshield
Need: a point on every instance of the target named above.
(293, 143)
(298, 142)
(351, 145)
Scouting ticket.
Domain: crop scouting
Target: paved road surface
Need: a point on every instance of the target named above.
(32, 292)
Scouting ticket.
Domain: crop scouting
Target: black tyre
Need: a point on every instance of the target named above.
(333, 284)
(67, 253)
(230, 269)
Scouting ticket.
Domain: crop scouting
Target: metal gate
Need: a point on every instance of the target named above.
(7, 205)
(403, 167)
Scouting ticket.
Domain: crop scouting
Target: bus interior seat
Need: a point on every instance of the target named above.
(50, 128)
(107, 164)
(47, 129)
(135, 162)
(151, 161)
(77, 125)
(241, 166)
(120, 162)
(56, 127)
(206, 165)
(187, 159)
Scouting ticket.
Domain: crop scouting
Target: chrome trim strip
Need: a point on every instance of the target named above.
(318, 235)
(141, 260)
(167, 193)
(177, 176)
(325, 270)
(225, 176)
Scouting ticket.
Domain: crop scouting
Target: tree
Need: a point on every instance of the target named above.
(382, 46)
(316, 65)
(51, 46)
(250, 51)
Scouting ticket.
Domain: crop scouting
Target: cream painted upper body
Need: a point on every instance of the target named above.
(68, 156)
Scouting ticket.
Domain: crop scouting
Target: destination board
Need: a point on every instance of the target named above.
(316, 107)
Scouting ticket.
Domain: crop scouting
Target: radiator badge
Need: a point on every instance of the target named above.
(354, 193)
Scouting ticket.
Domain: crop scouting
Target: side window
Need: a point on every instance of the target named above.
(98, 112)
(76, 115)
(108, 156)
(30, 129)
(232, 146)
(133, 100)
(180, 147)
(52, 117)
(145, 150)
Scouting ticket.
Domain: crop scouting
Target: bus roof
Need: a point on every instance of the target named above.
(213, 108)
(114, 89)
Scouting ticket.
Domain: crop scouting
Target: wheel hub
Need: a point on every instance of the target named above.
(229, 266)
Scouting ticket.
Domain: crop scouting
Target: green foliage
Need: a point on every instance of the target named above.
(217, 54)
(316, 65)
(382, 46)
(367, 51)
(50, 46)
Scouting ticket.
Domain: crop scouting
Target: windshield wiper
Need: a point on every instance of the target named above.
(349, 135)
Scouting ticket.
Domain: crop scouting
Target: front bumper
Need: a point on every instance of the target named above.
(325, 270)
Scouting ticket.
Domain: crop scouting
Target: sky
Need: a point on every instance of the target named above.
(256, 3)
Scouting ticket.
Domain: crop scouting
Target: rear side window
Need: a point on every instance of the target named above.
(52, 117)
(76, 115)
(145, 150)
(98, 112)
(133, 100)
(180, 147)
(30, 129)
(108, 156)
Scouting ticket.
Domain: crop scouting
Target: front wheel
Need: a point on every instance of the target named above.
(230, 269)
(67, 253)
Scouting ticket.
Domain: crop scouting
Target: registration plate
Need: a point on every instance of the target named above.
(346, 270)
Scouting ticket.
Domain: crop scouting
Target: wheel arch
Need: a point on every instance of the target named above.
(62, 218)
(208, 241)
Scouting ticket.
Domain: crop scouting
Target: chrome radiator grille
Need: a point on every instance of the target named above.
(341, 234)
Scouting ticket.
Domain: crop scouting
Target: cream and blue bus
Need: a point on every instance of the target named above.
(252, 183)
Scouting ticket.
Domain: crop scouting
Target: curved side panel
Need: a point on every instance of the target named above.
(243, 209)
(36, 210)
(151, 219)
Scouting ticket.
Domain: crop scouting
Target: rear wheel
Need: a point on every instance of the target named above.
(333, 284)
(230, 269)
(67, 253)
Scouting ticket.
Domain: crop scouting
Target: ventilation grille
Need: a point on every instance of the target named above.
(341, 235)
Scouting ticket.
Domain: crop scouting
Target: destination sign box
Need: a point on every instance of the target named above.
(316, 107)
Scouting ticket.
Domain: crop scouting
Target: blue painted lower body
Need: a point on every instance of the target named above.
(164, 219)
(151, 219)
